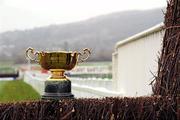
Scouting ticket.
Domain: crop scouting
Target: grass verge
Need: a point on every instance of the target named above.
(17, 90)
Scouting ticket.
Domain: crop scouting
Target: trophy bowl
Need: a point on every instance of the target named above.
(57, 61)
(57, 86)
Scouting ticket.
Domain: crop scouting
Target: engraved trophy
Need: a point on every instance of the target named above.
(57, 86)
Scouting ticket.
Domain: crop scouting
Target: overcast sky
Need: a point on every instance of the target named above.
(24, 14)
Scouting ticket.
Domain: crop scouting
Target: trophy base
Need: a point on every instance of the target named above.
(56, 96)
(57, 90)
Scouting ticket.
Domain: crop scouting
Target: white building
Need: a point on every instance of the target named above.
(133, 61)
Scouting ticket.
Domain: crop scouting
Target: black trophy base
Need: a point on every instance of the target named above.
(50, 96)
(57, 90)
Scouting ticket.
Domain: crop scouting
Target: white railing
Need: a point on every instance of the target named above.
(134, 62)
(89, 88)
(93, 82)
(36, 82)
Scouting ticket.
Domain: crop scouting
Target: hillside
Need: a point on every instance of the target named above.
(99, 34)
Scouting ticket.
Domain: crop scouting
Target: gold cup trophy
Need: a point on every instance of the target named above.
(58, 85)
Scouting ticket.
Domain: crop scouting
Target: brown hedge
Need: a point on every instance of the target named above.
(167, 81)
(141, 108)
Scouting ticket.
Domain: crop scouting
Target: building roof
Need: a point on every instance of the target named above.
(149, 31)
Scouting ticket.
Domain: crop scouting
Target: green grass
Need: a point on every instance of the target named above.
(13, 91)
(95, 64)
(109, 76)
(7, 70)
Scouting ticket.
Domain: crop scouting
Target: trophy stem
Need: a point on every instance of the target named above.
(57, 74)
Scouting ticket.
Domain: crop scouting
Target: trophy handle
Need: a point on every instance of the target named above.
(31, 55)
(84, 55)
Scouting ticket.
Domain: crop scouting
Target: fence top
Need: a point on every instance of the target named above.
(149, 31)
